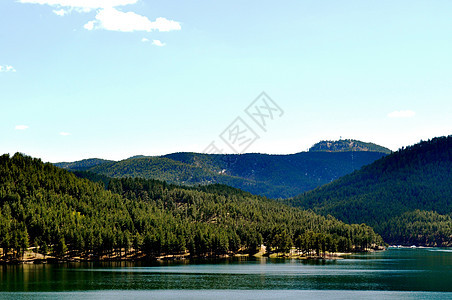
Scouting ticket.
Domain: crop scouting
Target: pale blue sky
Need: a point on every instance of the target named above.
(81, 78)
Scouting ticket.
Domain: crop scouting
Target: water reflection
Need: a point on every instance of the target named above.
(393, 270)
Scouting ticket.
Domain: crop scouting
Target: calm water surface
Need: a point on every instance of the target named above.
(393, 274)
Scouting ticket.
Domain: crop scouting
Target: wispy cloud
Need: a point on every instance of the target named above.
(108, 17)
(21, 127)
(60, 12)
(402, 114)
(115, 20)
(145, 40)
(81, 5)
(64, 133)
(7, 68)
(158, 43)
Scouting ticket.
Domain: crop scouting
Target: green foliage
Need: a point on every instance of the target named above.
(417, 177)
(420, 227)
(82, 165)
(275, 176)
(47, 206)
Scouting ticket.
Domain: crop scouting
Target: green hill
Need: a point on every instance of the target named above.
(406, 196)
(63, 215)
(83, 165)
(274, 176)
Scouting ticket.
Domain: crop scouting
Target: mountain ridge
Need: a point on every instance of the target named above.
(270, 175)
(414, 183)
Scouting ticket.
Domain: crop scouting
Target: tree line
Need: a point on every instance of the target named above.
(58, 213)
(388, 194)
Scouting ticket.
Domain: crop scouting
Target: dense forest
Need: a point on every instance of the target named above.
(419, 227)
(405, 196)
(59, 214)
(273, 176)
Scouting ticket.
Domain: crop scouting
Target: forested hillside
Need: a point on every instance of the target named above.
(274, 176)
(419, 227)
(60, 214)
(82, 165)
(406, 196)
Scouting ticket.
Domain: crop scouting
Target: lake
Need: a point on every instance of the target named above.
(392, 274)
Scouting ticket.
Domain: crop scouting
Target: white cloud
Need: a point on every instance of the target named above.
(7, 68)
(108, 17)
(82, 5)
(21, 127)
(158, 43)
(64, 133)
(162, 24)
(60, 12)
(402, 114)
(89, 25)
(115, 20)
(145, 40)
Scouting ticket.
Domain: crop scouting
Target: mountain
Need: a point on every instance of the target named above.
(273, 176)
(82, 165)
(348, 145)
(63, 215)
(406, 196)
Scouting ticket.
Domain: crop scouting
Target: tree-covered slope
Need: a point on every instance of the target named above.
(274, 176)
(419, 227)
(418, 177)
(82, 165)
(176, 172)
(301, 171)
(50, 208)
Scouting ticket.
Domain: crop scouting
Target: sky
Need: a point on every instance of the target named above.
(117, 78)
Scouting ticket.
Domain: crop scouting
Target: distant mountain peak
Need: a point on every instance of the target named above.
(347, 145)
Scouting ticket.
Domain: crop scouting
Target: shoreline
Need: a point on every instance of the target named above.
(34, 258)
